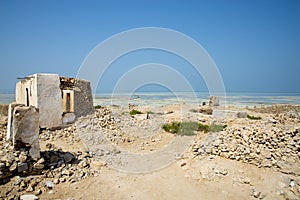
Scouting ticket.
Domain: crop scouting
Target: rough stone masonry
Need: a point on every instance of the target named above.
(24, 129)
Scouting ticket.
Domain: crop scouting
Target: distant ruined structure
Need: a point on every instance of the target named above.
(46, 101)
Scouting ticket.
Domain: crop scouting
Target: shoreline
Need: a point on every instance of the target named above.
(166, 98)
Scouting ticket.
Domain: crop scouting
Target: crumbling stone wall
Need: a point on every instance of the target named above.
(82, 97)
(59, 99)
(25, 130)
(214, 101)
(26, 91)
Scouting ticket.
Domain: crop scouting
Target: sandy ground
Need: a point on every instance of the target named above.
(187, 177)
(198, 179)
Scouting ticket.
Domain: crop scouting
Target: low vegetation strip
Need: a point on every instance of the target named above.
(135, 112)
(189, 128)
(253, 117)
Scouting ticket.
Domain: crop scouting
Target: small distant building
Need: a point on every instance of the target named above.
(55, 97)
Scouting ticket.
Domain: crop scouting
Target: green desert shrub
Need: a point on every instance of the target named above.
(172, 127)
(203, 127)
(216, 127)
(253, 117)
(97, 107)
(181, 128)
(188, 128)
(135, 112)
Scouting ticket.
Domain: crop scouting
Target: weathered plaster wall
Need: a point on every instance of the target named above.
(43, 92)
(26, 91)
(49, 100)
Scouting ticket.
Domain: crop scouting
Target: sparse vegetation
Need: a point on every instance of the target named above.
(216, 127)
(171, 127)
(181, 128)
(203, 127)
(188, 128)
(97, 107)
(150, 112)
(253, 117)
(135, 112)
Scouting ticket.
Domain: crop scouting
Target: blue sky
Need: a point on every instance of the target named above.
(255, 44)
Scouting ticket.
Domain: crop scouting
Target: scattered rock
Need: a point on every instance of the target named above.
(242, 114)
(247, 180)
(67, 172)
(28, 197)
(56, 181)
(255, 193)
(22, 157)
(68, 157)
(68, 118)
(206, 110)
(49, 184)
(13, 167)
(22, 167)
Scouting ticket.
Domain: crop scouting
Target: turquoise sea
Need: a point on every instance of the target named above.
(165, 98)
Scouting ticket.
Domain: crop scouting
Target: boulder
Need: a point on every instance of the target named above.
(242, 114)
(68, 118)
(68, 157)
(22, 167)
(206, 110)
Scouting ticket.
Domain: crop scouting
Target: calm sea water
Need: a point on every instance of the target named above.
(165, 98)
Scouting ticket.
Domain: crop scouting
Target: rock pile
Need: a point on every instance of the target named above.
(54, 165)
(3, 125)
(103, 122)
(206, 110)
(264, 145)
(278, 109)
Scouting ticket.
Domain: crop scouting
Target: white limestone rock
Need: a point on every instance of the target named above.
(68, 118)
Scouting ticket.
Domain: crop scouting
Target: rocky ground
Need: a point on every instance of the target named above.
(94, 158)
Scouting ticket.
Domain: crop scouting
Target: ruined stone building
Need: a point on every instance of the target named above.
(55, 97)
(45, 101)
